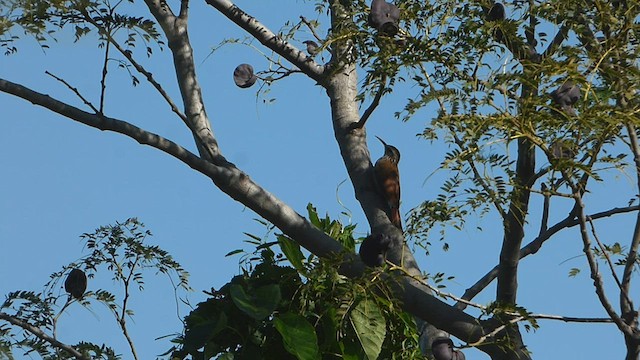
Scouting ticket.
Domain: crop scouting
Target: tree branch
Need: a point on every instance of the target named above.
(593, 266)
(41, 335)
(142, 70)
(631, 260)
(373, 105)
(227, 177)
(536, 244)
(269, 39)
(75, 91)
(175, 28)
(562, 34)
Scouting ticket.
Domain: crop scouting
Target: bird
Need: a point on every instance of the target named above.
(373, 250)
(387, 178)
(384, 17)
(312, 47)
(566, 96)
(76, 283)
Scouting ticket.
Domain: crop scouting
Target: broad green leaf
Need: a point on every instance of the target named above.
(291, 250)
(370, 326)
(200, 333)
(298, 336)
(259, 303)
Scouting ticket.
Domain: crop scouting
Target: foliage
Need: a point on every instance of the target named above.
(118, 250)
(42, 19)
(511, 136)
(308, 311)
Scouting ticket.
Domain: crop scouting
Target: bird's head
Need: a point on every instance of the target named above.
(390, 151)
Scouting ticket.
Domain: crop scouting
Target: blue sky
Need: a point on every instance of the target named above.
(61, 179)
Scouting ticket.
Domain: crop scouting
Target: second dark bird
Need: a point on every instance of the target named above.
(387, 179)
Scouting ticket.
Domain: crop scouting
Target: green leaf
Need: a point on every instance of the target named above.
(233, 252)
(313, 216)
(291, 250)
(199, 334)
(298, 336)
(574, 272)
(258, 304)
(370, 326)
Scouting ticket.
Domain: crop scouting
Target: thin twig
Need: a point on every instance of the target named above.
(373, 106)
(593, 265)
(496, 331)
(607, 258)
(141, 70)
(311, 28)
(75, 91)
(105, 69)
(545, 209)
(55, 318)
(571, 319)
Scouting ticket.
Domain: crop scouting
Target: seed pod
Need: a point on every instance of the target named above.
(384, 17)
(496, 12)
(243, 76)
(373, 250)
(76, 283)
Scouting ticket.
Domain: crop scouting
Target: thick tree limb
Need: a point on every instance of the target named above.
(227, 177)
(250, 24)
(42, 335)
(175, 28)
(514, 224)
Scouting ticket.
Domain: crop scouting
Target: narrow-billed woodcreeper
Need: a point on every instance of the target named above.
(387, 178)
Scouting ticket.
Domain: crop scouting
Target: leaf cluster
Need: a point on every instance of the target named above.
(308, 311)
(44, 19)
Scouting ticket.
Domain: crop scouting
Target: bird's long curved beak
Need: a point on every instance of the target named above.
(382, 141)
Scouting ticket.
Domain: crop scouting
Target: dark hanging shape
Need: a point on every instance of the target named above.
(384, 17)
(373, 250)
(76, 283)
(442, 349)
(566, 96)
(243, 76)
(496, 12)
